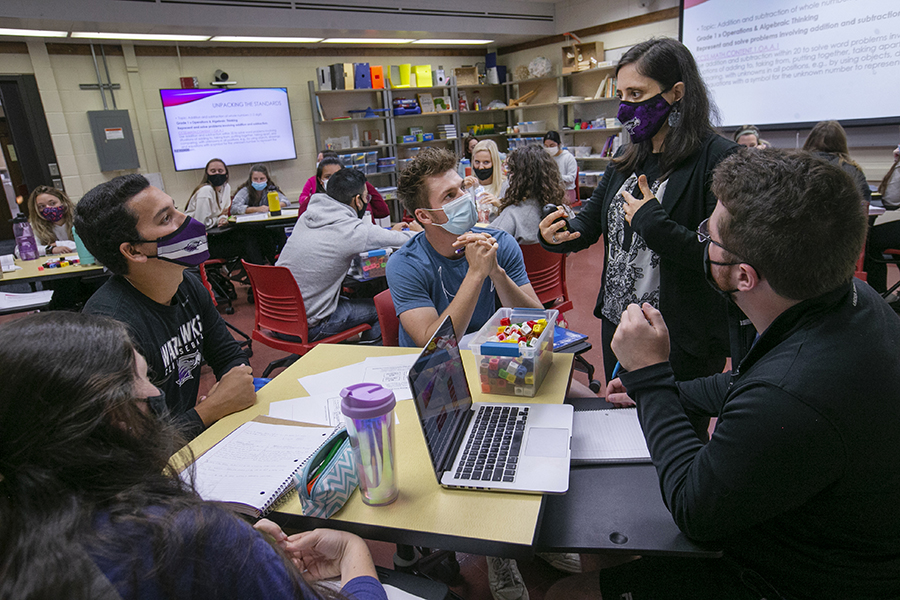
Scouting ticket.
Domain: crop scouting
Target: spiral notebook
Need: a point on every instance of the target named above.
(611, 435)
(252, 469)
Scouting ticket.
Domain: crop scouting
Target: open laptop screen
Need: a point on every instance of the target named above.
(441, 392)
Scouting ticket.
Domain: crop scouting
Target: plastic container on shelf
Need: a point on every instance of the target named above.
(369, 265)
(581, 151)
(512, 368)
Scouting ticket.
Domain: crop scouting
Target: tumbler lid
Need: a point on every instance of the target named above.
(366, 401)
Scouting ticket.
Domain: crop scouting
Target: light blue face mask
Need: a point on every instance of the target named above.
(259, 185)
(461, 214)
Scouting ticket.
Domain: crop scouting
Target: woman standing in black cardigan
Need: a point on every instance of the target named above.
(648, 205)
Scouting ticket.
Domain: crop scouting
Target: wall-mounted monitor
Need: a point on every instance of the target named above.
(239, 126)
(788, 63)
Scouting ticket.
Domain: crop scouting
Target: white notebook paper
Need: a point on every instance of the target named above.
(255, 464)
(608, 436)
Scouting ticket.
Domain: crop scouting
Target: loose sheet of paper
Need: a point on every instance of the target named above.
(391, 372)
(320, 409)
(251, 217)
(612, 435)
(254, 461)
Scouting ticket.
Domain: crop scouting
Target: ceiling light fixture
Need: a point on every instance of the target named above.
(33, 33)
(454, 42)
(139, 37)
(366, 41)
(265, 40)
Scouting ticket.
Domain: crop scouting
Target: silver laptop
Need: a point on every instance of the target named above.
(481, 446)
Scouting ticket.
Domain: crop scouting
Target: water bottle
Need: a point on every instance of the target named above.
(368, 410)
(84, 255)
(25, 242)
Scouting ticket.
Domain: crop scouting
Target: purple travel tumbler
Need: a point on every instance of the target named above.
(369, 414)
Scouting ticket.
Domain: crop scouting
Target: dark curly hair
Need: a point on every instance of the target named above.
(533, 177)
(412, 187)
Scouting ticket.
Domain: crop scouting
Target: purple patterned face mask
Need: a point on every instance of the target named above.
(186, 246)
(644, 119)
(54, 214)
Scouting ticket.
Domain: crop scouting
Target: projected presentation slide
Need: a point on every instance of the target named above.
(239, 126)
(795, 61)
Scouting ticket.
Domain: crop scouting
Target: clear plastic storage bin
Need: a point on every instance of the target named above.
(509, 367)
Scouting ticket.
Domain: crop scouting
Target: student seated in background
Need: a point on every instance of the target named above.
(534, 181)
(211, 199)
(90, 506)
(50, 214)
(799, 481)
(828, 140)
(748, 136)
(885, 231)
(321, 248)
(449, 268)
(253, 195)
(568, 166)
(327, 164)
(136, 232)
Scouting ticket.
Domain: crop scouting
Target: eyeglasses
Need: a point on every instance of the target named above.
(703, 236)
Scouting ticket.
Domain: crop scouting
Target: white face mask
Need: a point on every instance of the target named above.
(552, 150)
(461, 214)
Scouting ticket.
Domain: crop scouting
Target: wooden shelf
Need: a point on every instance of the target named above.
(351, 120)
(434, 141)
(360, 91)
(608, 70)
(361, 149)
(606, 130)
(426, 115)
(590, 101)
(481, 86)
(527, 106)
(395, 91)
(534, 80)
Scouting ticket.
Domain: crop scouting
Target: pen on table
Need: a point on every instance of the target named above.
(616, 369)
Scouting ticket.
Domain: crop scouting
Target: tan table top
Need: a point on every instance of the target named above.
(424, 506)
(29, 270)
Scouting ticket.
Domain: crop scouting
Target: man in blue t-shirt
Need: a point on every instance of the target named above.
(449, 269)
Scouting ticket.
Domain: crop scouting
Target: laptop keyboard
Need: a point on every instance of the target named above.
(492, 451)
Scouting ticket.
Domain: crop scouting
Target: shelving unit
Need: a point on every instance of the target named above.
(544, 106)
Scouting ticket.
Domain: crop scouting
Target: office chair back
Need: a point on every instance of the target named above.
(547, 273)
(387, 318)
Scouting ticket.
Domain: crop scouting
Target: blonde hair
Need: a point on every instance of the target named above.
(43, 228)
(497, 179)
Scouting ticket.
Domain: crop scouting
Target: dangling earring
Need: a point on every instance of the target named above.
(675, 115)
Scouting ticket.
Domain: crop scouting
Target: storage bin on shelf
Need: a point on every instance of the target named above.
(514, 368)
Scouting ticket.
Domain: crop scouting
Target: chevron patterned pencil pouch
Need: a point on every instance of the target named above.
(328, 477)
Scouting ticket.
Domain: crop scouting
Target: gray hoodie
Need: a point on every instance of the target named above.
(324, 241)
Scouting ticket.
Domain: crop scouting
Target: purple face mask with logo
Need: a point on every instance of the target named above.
(644, 119)
(186, 246)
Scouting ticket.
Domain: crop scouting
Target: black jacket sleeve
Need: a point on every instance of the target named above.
(749, 472)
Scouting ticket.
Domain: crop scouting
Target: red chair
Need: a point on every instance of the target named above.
(574, 196)
(280, 309)
(547, 274)
(387, 318)
(247, 342)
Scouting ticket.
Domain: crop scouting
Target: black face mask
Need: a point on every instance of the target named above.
(483, 174)
(157, 404)
(707, 271)
(361, 211)
(217, 179)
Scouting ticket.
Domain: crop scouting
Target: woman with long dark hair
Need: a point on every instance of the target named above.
(211, 199)
(328, 164)
(534, 181)
(649, 203)
(828, 140)
(89, 505)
